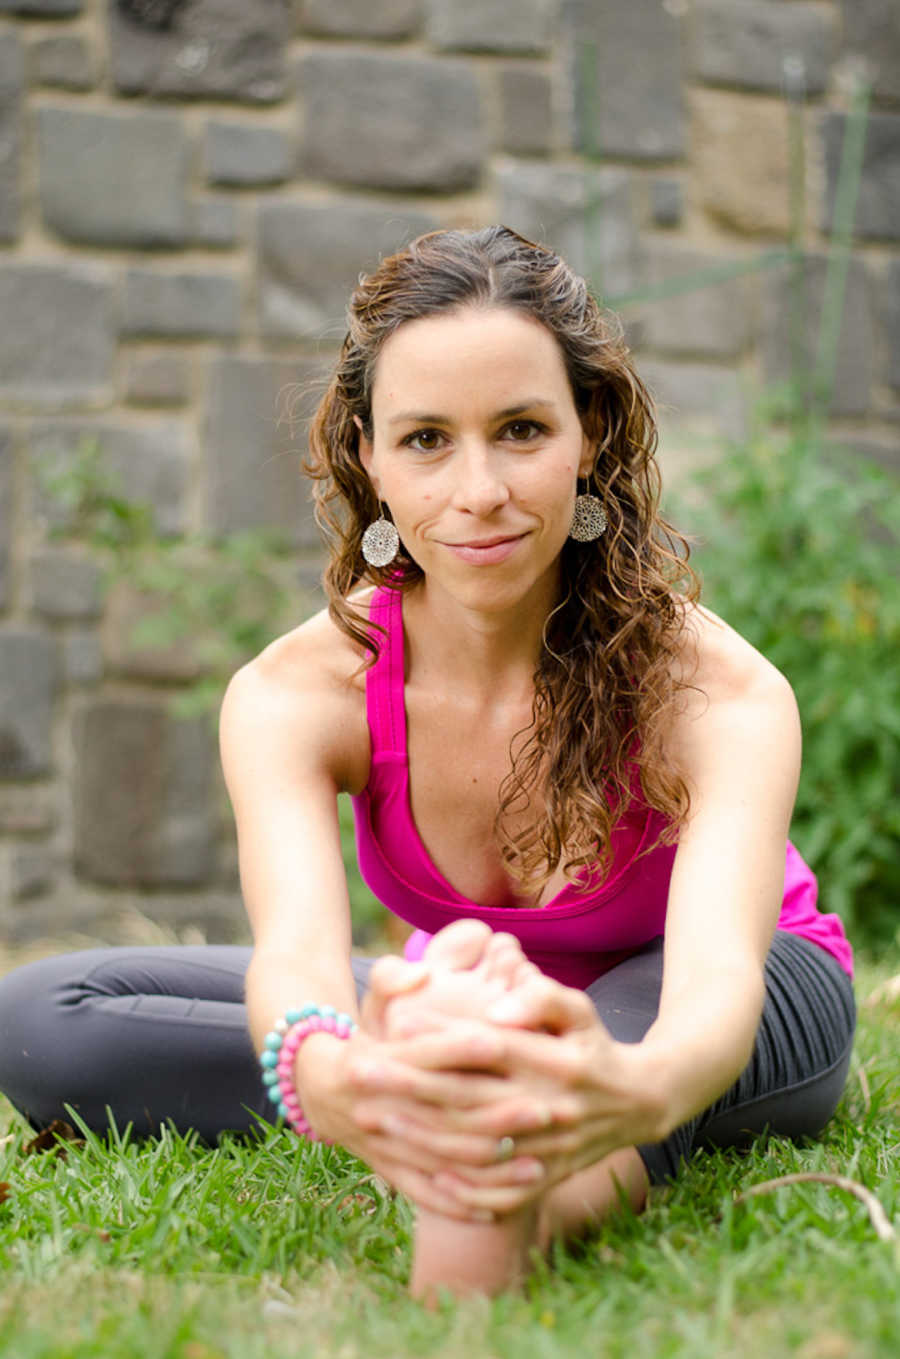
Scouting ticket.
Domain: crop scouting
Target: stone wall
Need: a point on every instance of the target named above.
(188, 189)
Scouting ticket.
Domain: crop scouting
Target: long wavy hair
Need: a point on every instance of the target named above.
(605, 686)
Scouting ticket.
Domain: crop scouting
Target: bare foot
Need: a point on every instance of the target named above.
(465, 1257)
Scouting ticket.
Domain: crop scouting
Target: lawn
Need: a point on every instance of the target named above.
(277, 1248)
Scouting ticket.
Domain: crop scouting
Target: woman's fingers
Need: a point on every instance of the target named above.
(538, 1002)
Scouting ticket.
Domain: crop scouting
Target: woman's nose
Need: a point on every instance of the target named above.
(480, 485)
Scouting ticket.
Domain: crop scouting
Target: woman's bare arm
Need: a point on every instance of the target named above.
(738, 742)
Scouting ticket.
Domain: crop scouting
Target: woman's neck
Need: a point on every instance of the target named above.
(491, 654)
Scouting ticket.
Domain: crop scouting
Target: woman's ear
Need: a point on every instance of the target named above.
(588, 457)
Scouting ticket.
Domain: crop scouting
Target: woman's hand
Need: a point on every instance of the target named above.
(567, 1094)
(328, 1075)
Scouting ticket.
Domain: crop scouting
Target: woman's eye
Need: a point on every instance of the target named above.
(520, 430)
(425, 440)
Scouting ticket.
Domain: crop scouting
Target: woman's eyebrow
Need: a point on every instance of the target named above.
(426, 417)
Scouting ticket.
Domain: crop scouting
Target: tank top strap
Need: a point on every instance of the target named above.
(385, 710)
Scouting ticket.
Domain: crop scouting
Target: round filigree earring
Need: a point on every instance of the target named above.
(380, 542)
(588, 520)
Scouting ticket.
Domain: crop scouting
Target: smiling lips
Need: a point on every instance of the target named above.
(486, 551)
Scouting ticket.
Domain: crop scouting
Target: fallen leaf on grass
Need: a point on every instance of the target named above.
(5, 1141)
(361, 1201)
(4, 1190)
(52, 1138)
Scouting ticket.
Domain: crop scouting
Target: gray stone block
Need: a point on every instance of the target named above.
(213, 49)
(42, 9)
(113, 178)
(28, 681)
(82, 656)
(160, 379)
(12, 83)
(311, 256)
(526, 109)
(741, 179)
(126, 653)
(361, 19)
(890, 316)
(792, 314)
(702, 317)
(62, 585)
(746, 42)
(6, 472)
(181, 305)
(359, 130)
(626, 67)
(872, 32)
(239, 154)
(491, 25)
(666, 202)
(155, 829)
(26, 810)
(213, 222)
(32, 869)
(878, 205)
(64, 62)
(147, 463)
(695, 396)
(587, 215)
(254, 477)
(62, 346)
(881, 453)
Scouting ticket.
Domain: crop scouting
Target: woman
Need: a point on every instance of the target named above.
(543, 733)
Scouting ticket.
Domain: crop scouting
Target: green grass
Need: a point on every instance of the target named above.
(277, 1248)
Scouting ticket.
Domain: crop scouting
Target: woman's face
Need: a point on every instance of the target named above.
(476, 449)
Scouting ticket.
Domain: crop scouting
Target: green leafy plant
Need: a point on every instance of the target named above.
(798, 553)
(223, 599)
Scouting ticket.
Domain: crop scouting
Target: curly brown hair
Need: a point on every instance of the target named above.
(605, 686)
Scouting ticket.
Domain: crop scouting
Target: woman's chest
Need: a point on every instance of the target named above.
(459, 762)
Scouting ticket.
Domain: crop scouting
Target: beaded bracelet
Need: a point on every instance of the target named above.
(281, 1047)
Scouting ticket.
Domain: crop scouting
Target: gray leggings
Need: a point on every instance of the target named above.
(160, 1034)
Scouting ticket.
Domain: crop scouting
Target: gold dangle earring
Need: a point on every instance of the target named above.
(380, 542)
(589, 519)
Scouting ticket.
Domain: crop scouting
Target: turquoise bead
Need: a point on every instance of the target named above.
(282, 1109)
(269, 1076)
(268, 1058)
(273, 1040)
(293, 1016)
(274, 1093)
(309, 1010)
(327, 1011)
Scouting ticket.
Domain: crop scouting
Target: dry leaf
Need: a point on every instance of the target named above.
(51, 1138)
(4, 1190)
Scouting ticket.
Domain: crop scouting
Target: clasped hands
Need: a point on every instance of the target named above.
(476, 1117)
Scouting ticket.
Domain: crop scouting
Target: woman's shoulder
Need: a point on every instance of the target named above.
(306, 689)
(315, 655)
(721, 664)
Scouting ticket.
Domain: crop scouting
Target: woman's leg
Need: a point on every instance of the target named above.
(150, 1035)
(790, 1087)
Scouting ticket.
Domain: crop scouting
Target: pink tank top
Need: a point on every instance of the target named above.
(582, 932)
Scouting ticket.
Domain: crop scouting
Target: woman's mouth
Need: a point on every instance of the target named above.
(486, 551)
